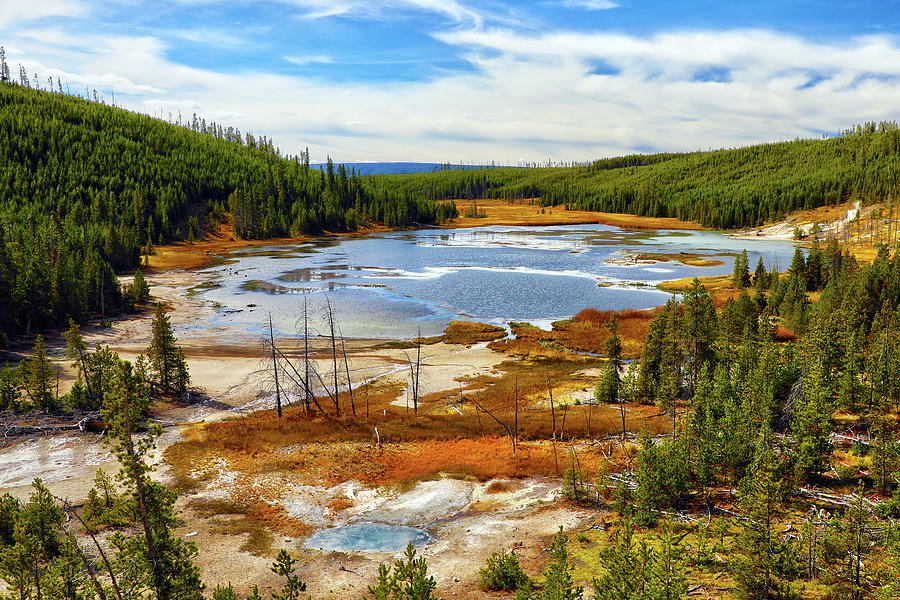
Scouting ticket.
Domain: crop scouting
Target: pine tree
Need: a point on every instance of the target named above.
(762, 560)
(885, 450)
(141, 288)
(284, 566)
(10, 387)
(741, 277)
(667, 570)
(607, 390)
(407, 580)
(760, 276)
(626, 566)
(66, 578)
(890, 565)
(155, 559)
(847, 544)
(812, 426)
(37, 377)
(558, 584)
(167, 361)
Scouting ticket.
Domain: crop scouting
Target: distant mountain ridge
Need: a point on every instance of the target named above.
(403, 168)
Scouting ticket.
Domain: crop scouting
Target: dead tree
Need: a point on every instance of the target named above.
(329, 316)
(275, 366)
(553, 417)
(509, 432)
(306, 397)
(347, 368)
(418, 366)
(516, 438)
(300, 382)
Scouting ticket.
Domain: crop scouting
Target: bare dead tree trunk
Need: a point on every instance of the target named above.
(516, 438)
(304, 383)
(275, 366)
(562, 427)
(509, 432)
(477, 415)
(418, 366)
(306, 397)
(552, 410)
(553, 416)
(330, 315)
(349, 383)
(590, 411)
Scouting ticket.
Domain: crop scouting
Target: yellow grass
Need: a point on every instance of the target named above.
(524, 212)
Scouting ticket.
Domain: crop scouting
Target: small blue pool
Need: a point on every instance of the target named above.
(367, 537)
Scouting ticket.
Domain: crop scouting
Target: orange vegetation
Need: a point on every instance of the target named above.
(394, 446)
(586, 332)
(523, 212)
(468, 333)
(719, 288)
(276, 518)
(783, 334)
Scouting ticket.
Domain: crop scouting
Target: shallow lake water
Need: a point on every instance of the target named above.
(367, 537)
(399, 284)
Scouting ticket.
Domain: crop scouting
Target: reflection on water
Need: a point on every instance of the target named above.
(398, 284)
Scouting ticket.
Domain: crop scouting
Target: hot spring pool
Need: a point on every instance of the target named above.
(367, 537)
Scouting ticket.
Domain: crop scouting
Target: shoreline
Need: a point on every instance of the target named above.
(187, 256)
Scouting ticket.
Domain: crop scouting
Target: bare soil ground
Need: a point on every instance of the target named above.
(240, 508)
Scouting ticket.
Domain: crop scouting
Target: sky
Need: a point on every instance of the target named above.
(471, 82)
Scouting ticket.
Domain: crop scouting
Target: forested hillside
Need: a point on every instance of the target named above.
(85, 187)
(744, 187)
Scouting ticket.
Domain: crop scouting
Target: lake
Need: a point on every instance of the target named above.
(400, 284)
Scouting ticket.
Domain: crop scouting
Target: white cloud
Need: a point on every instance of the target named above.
(590, 4)
(528, 97)
(371, 9)
(308, 59)
(14, 11)
(207, 36)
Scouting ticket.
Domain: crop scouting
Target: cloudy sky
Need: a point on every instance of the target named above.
(466, 81)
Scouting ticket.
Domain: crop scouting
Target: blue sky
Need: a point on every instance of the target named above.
(460, 81)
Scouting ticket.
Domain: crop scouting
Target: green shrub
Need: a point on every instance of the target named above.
(502, 573)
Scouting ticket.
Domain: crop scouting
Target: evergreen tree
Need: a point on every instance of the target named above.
(66, 578)
(503, 573)
(848, 542)
(169, 368)
(558, 584)
(41, 519)
(9, 389)
(760, 276)
(812, 425)
(763, 564)
(154, 561)
(37, 376)
(890, 565)
(626, 566)
(741, 277)
(284, 566)
(141, 287)
(407, 580)
(885, 450)
(667, 570)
